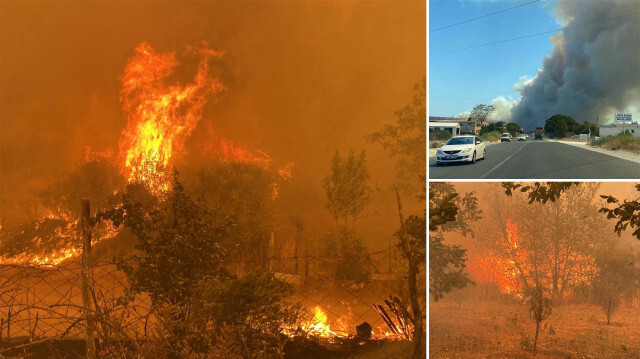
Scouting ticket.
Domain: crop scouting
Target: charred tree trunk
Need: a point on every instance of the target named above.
(535, 340)
(86, 268)
(419, 337)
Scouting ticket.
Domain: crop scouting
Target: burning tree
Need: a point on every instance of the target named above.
(555, 248)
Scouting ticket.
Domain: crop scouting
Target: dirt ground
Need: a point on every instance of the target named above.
(469, 324)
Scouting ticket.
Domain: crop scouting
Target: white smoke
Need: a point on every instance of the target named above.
(502, 109)
(594, 69)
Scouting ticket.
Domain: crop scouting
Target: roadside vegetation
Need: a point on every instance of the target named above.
(437, 137)
(562, 126)
(623, 141)
(490, 136)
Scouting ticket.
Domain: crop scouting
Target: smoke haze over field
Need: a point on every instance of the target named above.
(302, 79)
(593, 70)
(484, 191)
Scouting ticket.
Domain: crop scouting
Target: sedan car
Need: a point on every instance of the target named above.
(505, 137)
(461, 149)
(522, 137)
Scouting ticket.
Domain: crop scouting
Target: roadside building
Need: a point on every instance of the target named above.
(614, 129)
(452, 127)
(466, 126)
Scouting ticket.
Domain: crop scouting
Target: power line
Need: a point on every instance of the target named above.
(532, 35)
(480, 17)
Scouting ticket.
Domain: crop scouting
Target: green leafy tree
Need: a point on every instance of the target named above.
(512, 128)
(406, 139)
(347, 187)
(587, 127)
(497, 126)
(448, 212)
(481, 113)
(560, 125)
(626, 212)
(439, 135)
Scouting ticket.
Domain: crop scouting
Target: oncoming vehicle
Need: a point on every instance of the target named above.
(461, 149)
(539, 132)
(506, 137)
(522, 137)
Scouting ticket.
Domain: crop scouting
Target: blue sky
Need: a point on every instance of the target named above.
(461, 79)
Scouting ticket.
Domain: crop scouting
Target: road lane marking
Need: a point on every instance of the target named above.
(499, 164)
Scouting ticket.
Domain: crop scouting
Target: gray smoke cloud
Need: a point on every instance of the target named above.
(594, 69)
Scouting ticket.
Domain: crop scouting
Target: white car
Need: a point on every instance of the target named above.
(461, 149)
(522, 137)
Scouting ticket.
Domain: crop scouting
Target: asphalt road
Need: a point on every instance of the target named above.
(538, 160)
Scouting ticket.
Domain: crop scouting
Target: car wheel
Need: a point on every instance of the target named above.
(473, 159)
(438, 163)
(484, 154)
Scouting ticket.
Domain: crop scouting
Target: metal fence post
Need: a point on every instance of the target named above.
(86, 268)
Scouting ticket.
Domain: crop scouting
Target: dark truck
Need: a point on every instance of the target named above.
(539, 132)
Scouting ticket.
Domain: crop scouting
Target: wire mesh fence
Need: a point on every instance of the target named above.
(40, 303)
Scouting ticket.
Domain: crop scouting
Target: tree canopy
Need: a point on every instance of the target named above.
(406, 140)
(560, 125)
(512, 128)
(347, 187)
(448, 212)
(481, 112)
(626, 212)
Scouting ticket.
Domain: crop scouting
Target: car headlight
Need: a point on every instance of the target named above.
(439, 151)
(468, 149)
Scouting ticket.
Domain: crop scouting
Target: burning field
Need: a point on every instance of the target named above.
(220, 210)
(540, 271)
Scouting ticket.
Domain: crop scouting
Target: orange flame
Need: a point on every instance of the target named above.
(160, 116)
(510, 265)
(320, 328)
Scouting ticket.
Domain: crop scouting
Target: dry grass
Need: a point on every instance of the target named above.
(471, 325)
(620, 142)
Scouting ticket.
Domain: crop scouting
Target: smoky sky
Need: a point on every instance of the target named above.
(303, 79)
(593, 71)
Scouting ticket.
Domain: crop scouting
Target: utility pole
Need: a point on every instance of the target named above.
(86, 274)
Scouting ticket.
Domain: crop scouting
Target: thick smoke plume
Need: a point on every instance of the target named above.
(593, 71)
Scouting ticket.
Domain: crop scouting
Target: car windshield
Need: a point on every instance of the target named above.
(460, 141)
(505, 135)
